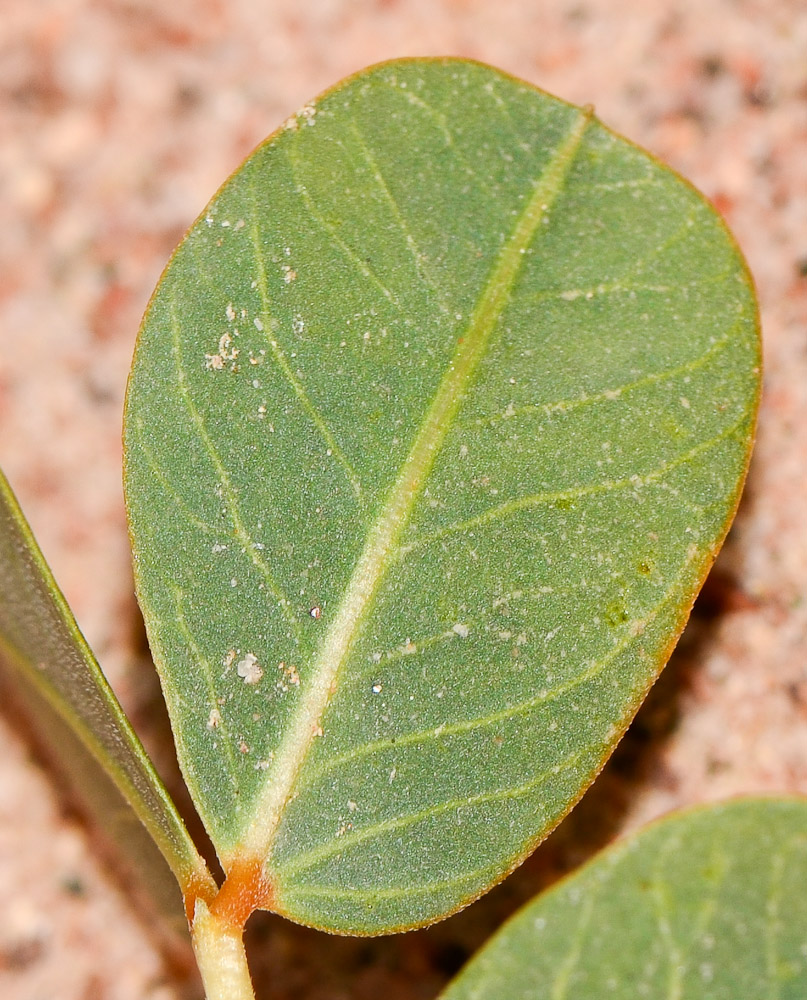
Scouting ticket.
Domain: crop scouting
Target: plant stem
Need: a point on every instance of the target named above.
(219, 947)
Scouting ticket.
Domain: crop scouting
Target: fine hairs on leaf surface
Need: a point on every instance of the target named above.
(437, 420)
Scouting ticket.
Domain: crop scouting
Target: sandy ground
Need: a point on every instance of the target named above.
(118, 119)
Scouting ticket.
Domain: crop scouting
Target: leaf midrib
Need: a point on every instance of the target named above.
(385, 533)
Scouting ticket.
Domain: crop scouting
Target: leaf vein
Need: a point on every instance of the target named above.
(417, 255)
(573, 493)
(661, 909)
(606, 289)
(390, 892)
(283, 364)
(361, 265)
(632, 629)
(163, 480)
(442, 125)
(209, 676)
(563, 977)
(228, 491)
(611, 394)
(320, 853)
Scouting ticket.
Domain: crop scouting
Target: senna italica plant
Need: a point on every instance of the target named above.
(436, 422)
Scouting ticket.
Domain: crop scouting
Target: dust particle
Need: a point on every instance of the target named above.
(290, 672)
(249, 669)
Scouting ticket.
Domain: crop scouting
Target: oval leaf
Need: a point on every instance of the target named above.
(436, 421)
(77, 716)
(708, 905)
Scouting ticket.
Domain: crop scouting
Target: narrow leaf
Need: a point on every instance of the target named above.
(116, 833)
(60, 679)
(708, 905)
(436, 421)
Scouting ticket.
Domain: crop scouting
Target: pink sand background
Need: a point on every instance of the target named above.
(118, 120)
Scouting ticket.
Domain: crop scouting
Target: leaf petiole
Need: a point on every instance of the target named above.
(219, 947)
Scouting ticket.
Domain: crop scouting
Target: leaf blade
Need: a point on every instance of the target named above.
(42, 642)
(641, 919)
(447, 332)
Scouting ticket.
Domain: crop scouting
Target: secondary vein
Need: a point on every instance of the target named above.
(229, 494)
(597, 666)
(576, 493)
(308, 859)
(283, 364)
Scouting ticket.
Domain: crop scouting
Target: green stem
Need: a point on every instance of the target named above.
(219, 947)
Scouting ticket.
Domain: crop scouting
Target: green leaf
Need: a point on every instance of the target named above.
(706, 905)
(436, 421)
(76, 715)
(117, 834)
